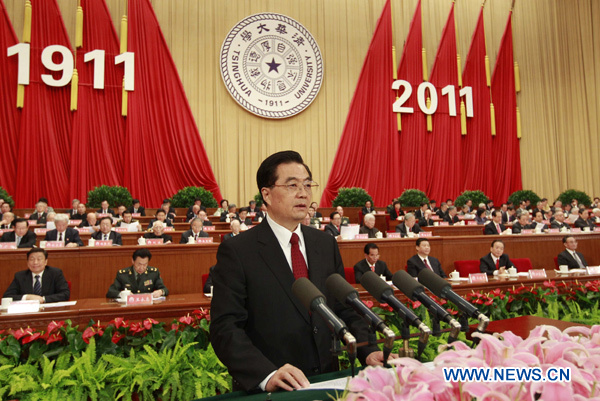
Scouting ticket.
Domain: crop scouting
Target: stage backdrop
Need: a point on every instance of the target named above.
(554, 43)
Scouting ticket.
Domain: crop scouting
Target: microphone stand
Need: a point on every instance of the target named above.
(406, 351)
(435, 323)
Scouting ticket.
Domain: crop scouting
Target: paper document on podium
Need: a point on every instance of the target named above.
(335, 384)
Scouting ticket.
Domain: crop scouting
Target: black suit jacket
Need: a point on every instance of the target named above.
(71, 235)
(559, 225)
(490, 228)
(39, 219)
(114, 236)
(394, 215)
(141, 210)
(187, 234)
(332, 230)
(451, 220)
(517, 227)
(54, 285)
(425, 223)
(380, 268)
(109, 211)
(27, 241)
(257, 324)
(487, 265)
(415, 264)
(191, 209)
(581, 223)
(81, 217)
(441, 214)
(367, 211)
(565, 258)
(401, 228)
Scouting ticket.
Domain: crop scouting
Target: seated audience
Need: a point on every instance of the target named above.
(171, 209)
(136, 208)
(449, 202)
(197, 202)
(128, 220)
(81, 212)
(345, 220)
(538, 222)
(408, 226)
(39, 282)
(4, 208)
(369, 226)
(262, 213)
(91, 221)
(433, 205)
(230, 214)
(596, 212)
(105, 209)
(139, 278)
(419, 214)
(162, 217)
(315, 206)
(443, 210)
(495, 262)
(371, 262)
(466, 212)
(396, 211)
(584, 220)
(570, 256)
(426, 220)
(522, 223)
(469, 204)
(235, 230)
(334, 227)
(451, 216)
(494, 227)
(194, 232)
(193, 214)
(106, 233)
(245, 221)
(7, 221)
(73, 210)
(252, 208)
(559, 221)
(62, 232)
(120, 210)
(45, 202)
(50, 219)
(167, 209)
(158, 229)
(314, 221)
(422, 260)
(368, 208)
(223, 207)
(480, 216)
(21, 235)
(204, 218)
(40, 215)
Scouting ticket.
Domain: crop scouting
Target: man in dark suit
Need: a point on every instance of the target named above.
(7, 221)
(161, 216)
(509, 216)
(21, 236)
(495, 262)
(259, 329)
(419, 214)
(192, 214)
(422, 260)
(106, 233)
(39, 282)
(128, 220)
(368, 208)
(139, 278)
(73, 211)
(231, 213)
(570, 256)
(408, 226)
(426, 220)
(81, 212)
(158, 229)
(522, 223)
(62, 232)
(451, 216)
(315, 206)
(197, 201)
(559, 221)
(243, 217)
(584, 221)
(371, 262)
(443, 210)
(40, 215)
(334, 227)
(494, 227)
(105, 209)
(538, 222)
(91, 221)
(194, 232)
(235, 230)
(368, 226)
(136, 208)
(252, 207)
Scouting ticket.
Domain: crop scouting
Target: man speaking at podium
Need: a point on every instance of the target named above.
(259, 330)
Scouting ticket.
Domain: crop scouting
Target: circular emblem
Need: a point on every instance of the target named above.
(271, 65)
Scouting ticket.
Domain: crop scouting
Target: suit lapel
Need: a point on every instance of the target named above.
(272, 254)
(46, 282)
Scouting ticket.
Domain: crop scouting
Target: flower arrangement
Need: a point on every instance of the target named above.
(577, 348)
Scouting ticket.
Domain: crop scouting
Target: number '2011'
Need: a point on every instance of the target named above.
(449, 91)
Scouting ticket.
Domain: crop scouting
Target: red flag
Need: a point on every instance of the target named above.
(506, 155)
(367, 155)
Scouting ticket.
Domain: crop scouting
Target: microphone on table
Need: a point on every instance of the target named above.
(443, 289)
(383, 293)
(348, 295)
(314, 301)
(416, 292)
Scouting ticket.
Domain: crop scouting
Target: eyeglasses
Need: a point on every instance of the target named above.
(295, 187)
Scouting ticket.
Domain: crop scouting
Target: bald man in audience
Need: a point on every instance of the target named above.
(369, 226)
(235, 229)
(91, 222)
(7, 221)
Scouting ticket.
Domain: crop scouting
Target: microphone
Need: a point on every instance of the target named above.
(348, 295)
(314, 300)
(443, 289)
(383, 293)
(415, 291)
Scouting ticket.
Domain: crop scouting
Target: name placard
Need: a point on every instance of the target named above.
(208, 228)
(139, 299)
(32, 222)
(597, 229)
(136, 214)
(155, 241)
(394, 235)
(537, 273)
(167, 229)
(361, 236)
(23, 307)
(576, 230)
(593, 270)
(553, 230)
(471, 223)
(435, 217)
(380, 212)
(252, 214)
(527, 231)
(326, 219)
(205, 240)
(74, 222)
(121, 229)
(478, 278)
(100, 215)
(444, 223)
(55, 244)
(425, 234)
(8, 245)
(103, 243)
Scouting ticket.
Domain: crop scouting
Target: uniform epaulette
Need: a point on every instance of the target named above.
(123, 271)
(152, 269)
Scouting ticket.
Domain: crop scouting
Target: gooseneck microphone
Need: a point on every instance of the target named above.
(314, 301)
(416, 292)
(443, 289)
(383, 293)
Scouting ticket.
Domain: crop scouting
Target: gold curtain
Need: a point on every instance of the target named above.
(555, 43)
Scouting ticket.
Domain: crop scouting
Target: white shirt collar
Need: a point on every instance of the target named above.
(494, 258)
(284, 235)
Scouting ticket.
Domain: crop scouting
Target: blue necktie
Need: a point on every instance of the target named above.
(37, 287)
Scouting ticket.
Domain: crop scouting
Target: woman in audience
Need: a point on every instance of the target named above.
(396, 211)
(224, 206)
(480, 216)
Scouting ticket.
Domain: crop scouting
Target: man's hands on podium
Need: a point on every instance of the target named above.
(288, 378)
(376, 358)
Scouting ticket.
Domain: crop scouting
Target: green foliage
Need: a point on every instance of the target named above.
(570, 194)
(258, 200)
(7, 198)
(476, 196)
(518, 196)
(413, 197)
(351, 197)
(185, 197)
(115, 196)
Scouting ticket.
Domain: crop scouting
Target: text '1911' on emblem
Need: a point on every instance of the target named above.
(271, 65)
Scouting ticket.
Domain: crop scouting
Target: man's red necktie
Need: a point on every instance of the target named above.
(298, 263)
(498, 228)
(427, 264)
(498, 264)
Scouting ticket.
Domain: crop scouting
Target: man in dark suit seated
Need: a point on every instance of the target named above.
(204, 218)
(422, 260)
(136, 208)
(443, 210)
(230, 214)
(62, 232)
(194, 232)
(73, 210)
(510, 216)
(495, 262)
(570, 256)
(235, 229)
(559, 221)
(81, 213)
(91, 221)
(244, 219)
(419, 214)
(315, 206)
(494, 227)
(7, 221)
(121, 209)
(128, 219)
(538, 222)
(426, 220)
(263, 334)
(158, 229)
(161, 216)
(522, 223)
(334, 227)
(433, 206)
(345, 220)
(39, 282)
(198, 202)
(169, 209)
(369, 226)
(262, 213)
(139, 278)
(21, 236)
(105, 209)
(451, 217)
(41, 214)
(368, 208)
(106, 233)
(584, 221)
(371, 262)
(4, 208)
(252, 207)
(193, 214)
(408, 227)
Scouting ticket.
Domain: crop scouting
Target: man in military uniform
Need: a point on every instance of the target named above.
(138, 278)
